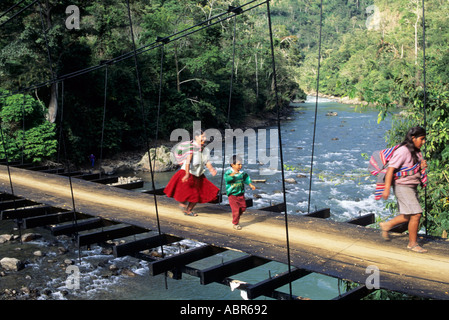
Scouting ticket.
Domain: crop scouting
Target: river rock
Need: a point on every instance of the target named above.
(38, 253)
(5, 237)
(68, 262)
(160, 160)
(62, 250)
(290, 180)
(30, 237)
(11, 264)
(128, 272)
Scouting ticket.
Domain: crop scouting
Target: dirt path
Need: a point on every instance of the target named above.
(337, 249)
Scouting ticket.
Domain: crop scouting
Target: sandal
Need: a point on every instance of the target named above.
(385, 234)
(192, 214)
(237, 227)
(417, 248)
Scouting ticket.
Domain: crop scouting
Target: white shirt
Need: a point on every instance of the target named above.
(198, 162)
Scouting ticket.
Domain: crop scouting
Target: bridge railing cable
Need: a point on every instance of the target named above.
(316, 107)
(273, 63)
(424, 102)
(138, 51)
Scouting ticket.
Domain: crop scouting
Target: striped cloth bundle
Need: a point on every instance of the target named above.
(378, 165)
(181, 151)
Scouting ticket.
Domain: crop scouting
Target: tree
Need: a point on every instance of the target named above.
(28, 136)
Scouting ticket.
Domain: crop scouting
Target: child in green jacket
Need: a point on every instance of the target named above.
(235, 189)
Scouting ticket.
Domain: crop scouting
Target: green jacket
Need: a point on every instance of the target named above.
(235, 185)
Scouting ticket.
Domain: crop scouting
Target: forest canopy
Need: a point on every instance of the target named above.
(164, 88)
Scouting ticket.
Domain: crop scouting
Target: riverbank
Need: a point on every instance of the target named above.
(342, 100)
(42, 262)
(124, 162)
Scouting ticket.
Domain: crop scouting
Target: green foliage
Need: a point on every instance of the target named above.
(383, 65)
(37, 142)
(40, 143)
(17, 107)
(196, 71)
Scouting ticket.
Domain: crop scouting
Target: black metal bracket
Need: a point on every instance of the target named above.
(165, 40)
(236, 10)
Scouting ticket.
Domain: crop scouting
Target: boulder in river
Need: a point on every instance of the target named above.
(160, 160)
(30, 237)
(11, 264)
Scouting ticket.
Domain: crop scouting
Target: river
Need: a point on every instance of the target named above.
(340, 182)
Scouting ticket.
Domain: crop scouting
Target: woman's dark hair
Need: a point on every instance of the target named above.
(234, 159)
(414, 132)
(197, 133)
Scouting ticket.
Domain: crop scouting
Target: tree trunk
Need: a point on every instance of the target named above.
(53, 105)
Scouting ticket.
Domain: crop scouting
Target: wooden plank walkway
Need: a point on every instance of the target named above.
(336, 249)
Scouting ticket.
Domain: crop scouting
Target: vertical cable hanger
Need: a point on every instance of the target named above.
(228, 124)
(23, 127)
(161, 72)
(316, 106)
(53, 76)
(9, 175)
(280, 147)
(424, 101)
(144, 127)
(69, 173)
(105, 96)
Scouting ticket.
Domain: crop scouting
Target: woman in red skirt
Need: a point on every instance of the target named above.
(189, 185)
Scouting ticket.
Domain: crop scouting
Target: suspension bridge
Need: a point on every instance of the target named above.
(344, 250)
(93, 212)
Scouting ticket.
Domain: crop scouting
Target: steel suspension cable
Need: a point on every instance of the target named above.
(17, 13)
(53, 75)
(10, 9)
(229, 108)
(137, 51)
(69, 172)
(19, 224)
(280, 147)
(159, 101)
(424, 102)
(105, 96)
(143, 115)
(7, 162)
(316, 107)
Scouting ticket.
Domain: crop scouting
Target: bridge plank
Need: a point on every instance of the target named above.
(130, 248)
(169, 263)
(324, 246)
(364, 220)
(77, 226)
(266, 286)
(222, 271)
(15, 203)
(110, 234)
(48, 219)
(26, 212)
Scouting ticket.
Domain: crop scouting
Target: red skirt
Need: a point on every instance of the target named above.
(196, 189)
